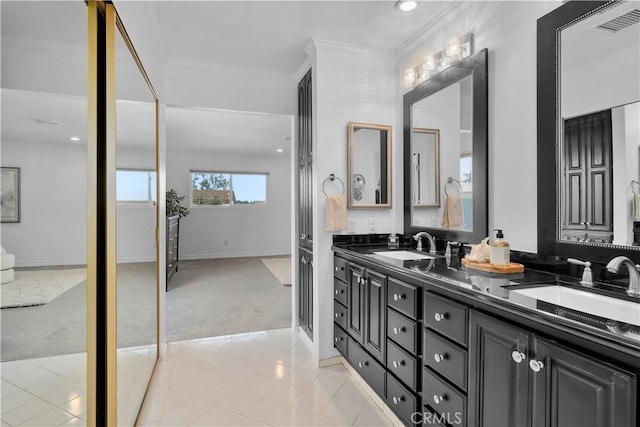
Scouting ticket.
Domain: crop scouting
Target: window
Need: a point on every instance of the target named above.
(135, 185)
(228, 188)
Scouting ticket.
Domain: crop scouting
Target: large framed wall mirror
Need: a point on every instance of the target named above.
(369, 166)
(589, 129)
(445, 153)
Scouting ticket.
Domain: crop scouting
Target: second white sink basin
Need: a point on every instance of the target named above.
(405, 255)
(586, 302)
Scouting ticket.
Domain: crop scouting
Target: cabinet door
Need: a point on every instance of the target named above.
(355, 321)
(498, 373)
(375, 313)
(570, 389)
(305, 293)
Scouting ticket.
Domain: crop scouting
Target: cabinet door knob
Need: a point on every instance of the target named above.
(397, 330)
(438, 399)
(339, 291)
(338, 315)
(337, 339)
(440, 316)
(397, 364)
(340, 268)
(518, 356)
(397, 297)
(397, 400)
(363, 364)
(440, 357)
(303, 236)
(536, 365)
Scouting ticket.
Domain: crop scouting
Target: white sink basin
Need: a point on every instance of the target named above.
(587, 302)
(405, 255)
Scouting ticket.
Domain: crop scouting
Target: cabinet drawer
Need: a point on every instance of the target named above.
(446, 317)
(442, 397)
(340, 268)
(446, 358)
(402, 330)
(340, 339)
(340, 314)
(370, 370)
(402, 364)
(340, 290)
(401, 401)
(403, 297)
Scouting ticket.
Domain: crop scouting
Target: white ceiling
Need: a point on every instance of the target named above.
(264, 35)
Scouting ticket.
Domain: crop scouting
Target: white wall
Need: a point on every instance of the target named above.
(508, 30)
(248, 230)
(349, 84)
(53, 206)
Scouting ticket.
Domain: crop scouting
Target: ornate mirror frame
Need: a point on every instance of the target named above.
(548, 83)
(477, 66)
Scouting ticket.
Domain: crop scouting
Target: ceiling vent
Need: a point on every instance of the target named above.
(621, 22)
(41, 121)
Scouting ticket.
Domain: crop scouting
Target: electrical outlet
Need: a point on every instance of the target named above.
(351, 228)
(373, 225)
(226, 242)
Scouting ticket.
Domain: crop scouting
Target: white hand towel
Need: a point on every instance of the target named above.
(452, 216)
(336, 213)
(635, 203)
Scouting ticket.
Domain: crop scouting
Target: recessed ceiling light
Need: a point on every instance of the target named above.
(279, 150)
(406, 5)
(74, 138)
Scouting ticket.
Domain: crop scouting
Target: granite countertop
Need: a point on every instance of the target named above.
(504, 291)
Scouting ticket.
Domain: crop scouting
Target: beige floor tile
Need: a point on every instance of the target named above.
(189, 385)
(16, 400)
(65, 394)
(217, 416)
(75, 422)
(342, 410)
(352, 392)
(312, 401)
(284, 393)
(76, 406)
(53, 417)
(258, 385)
(238, 401)
(25, 412)
(213, 392)
(151, 412)
(300, 377)
(325, 384)
(371, 416)
(188, 411)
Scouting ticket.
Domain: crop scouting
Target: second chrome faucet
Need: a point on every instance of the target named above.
(432, 241)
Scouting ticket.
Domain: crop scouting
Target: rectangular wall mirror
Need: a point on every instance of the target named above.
(369, 166)
(425, 156)
(445, 152)
(589, 129)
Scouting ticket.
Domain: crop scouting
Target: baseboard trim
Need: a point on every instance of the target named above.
(197, 257)
(75, 262)
(381, 404)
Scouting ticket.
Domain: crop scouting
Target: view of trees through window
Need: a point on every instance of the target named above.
(224, 188)
(135, 185)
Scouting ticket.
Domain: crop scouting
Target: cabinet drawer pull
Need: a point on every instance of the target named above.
(339, 315)
(340, 268)
(338, 339)
(440, 357)
(339, 291)
(397, 364)
(438, 399)
(363, 364)
(397, 330)
(440, 316)
(536, 365)
(397, 400)
(303, 236)
(518, 356)
(399, 297)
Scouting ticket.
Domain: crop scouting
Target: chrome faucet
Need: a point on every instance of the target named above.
(432, 242)
(634, 273)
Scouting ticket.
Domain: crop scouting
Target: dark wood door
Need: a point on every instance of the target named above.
(355, 318)
(570, 389)
(498, 373)
(374, 311)
(588, 192)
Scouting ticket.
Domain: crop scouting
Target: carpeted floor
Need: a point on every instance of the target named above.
(205, 298)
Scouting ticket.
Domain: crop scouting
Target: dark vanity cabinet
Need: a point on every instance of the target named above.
(173, 233)
(304, 130)
(444, 378)
(521, 379)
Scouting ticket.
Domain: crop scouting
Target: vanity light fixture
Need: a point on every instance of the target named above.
(455, 49)
(406, 5)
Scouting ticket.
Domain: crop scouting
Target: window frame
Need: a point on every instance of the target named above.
(230, 173)
(151, 189)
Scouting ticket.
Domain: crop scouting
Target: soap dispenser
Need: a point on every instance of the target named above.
(499, 252)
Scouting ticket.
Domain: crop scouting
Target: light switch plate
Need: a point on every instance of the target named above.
(373, 225)
(351, 228)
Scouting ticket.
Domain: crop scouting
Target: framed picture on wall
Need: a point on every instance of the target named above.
(10, 196)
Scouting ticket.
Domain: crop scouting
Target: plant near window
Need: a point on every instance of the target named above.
(174, 204)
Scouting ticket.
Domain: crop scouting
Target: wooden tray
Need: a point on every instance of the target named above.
(510, 268)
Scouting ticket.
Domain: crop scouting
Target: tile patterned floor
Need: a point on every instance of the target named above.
(256, 379)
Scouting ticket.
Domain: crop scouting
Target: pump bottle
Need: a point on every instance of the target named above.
(499, 251)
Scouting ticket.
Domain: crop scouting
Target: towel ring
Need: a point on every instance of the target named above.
(633, 188)
(452, 181)
(331, 178)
